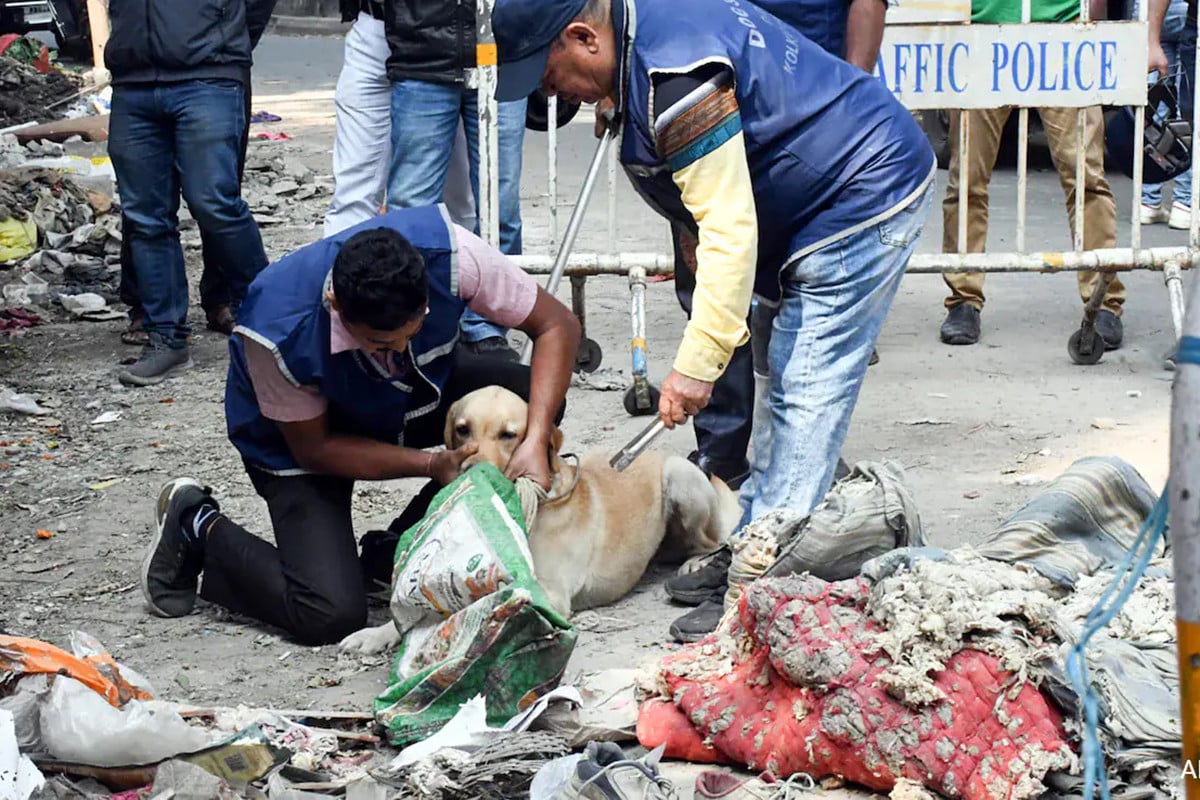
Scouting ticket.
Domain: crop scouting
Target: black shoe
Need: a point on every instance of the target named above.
(961, 325)
(694, 588)
(701, 620)
(171, 569)
(493, 347)
(1110, 328)
(734, 475)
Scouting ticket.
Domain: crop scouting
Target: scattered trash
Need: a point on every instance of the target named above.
(25, 92)
(107, 417)
(106, 484)
(971, 495)
(606, 711)
(923, 421)
(21, 403)
(605, 379)
(1133, 393)
(19, 778)
(1104, 423)
(44, 534)
(264, 116)
(273, 137)
(80, 304)
(17, 319)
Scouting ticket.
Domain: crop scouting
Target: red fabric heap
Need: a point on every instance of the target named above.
(802, 697)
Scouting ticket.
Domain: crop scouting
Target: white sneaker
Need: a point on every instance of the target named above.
(1154, 215)
(1181, 217)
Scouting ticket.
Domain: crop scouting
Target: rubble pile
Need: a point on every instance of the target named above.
(25, 93)
(78, 231)
(281, 189)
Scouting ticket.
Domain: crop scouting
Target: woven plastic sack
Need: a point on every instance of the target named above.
(473, 617)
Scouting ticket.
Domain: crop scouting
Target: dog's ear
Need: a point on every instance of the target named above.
(556, 440)
(448, 436)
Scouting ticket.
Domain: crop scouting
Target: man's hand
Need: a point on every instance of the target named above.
(531, 460)
(1158, 59)
(682, 397)
(604, 111)
(446, 465)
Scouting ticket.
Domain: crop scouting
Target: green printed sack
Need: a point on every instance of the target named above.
(473, 618)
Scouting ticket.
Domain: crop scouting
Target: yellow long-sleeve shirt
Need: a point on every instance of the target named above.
(701, 139)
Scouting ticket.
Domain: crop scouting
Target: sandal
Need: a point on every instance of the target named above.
(135, 334)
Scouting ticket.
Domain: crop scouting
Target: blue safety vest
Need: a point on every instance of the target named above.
(285, 310)
(830, 150)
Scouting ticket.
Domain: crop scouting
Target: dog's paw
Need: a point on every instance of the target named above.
(370, 640)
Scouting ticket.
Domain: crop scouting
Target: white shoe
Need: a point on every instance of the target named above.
(1154, 215)
(1181, 217)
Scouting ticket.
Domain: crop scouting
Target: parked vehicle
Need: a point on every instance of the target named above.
(67, 20)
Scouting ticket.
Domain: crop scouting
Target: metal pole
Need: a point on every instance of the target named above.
(552, 166)
(1117, 259)
(1184, 497)
(1023, 151)
(964, 140)
(573, 226)
(637, 348)
(612, 200)
(489, 145)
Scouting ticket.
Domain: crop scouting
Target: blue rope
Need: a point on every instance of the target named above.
(1128, 574)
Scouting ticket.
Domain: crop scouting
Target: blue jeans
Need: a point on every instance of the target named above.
(810, 355)
(424, 121)
(1179, 44)
(186, 137)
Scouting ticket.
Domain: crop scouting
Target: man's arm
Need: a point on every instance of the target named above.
(302, 417)
(698, 130)
(258, 16)
(1155, 15)
(555, 333)
(499, 291)
(864, 32)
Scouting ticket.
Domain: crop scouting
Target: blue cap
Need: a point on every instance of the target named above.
(524, 31)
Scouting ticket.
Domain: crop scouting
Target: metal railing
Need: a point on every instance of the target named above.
(1170, 260)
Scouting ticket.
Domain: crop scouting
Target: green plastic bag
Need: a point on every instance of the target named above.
(473, 618)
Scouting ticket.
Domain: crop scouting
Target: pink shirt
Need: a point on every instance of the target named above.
(492, 286)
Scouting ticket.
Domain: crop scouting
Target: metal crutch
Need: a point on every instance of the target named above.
(573, 226)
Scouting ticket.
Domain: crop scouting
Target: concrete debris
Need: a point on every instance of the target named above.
(26, 93)
(276, 183)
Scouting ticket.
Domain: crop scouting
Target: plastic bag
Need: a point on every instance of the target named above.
(474, 619)
(77, 725)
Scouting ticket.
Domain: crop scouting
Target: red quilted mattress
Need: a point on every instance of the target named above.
(788, 686)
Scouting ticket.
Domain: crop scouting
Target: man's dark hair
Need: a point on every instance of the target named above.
(379, 280)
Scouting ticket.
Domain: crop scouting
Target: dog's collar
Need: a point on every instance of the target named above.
(574, 482)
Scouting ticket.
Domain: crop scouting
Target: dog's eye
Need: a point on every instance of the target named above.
(507, 435)
(462, 430)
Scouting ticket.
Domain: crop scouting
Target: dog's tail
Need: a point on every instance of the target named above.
(728, 510)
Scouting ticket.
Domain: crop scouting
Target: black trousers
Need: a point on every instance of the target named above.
(311, 582)
(214, 287)
(723, 427)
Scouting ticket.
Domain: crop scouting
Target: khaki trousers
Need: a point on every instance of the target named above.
(1099, 210)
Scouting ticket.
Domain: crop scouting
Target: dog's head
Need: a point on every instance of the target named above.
(494, 419)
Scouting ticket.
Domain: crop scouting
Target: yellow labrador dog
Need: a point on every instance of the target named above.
(599, 530)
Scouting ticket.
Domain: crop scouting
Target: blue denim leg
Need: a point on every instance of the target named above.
(1184, 51)
(210, 120)
(424, 123)
(510, 144)
(141, 144)
(822, 333)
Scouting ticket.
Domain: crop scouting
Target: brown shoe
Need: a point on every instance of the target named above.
(220, 319)
(135, 334)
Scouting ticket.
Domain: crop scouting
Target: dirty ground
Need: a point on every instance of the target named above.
(978, 428)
